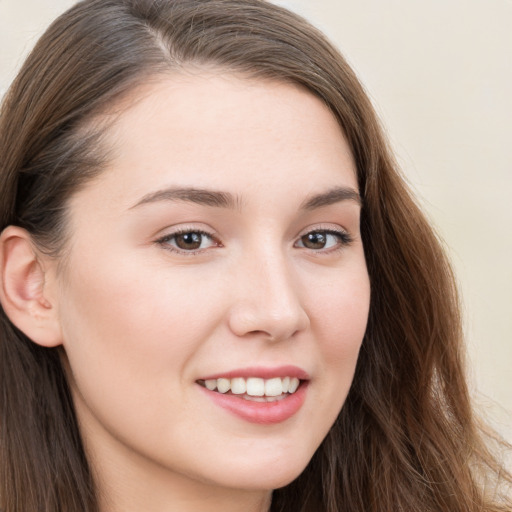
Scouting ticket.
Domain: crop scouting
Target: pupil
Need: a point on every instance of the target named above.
(314, 240)
(189, 241)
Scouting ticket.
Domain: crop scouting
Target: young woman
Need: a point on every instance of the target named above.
(217, 292)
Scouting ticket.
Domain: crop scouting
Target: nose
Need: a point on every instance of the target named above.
(267, 302)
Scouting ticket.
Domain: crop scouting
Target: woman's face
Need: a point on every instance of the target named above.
(221, 242)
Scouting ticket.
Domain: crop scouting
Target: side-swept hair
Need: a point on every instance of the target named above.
(406, 438)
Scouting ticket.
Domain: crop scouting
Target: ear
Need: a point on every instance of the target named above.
(24, 288)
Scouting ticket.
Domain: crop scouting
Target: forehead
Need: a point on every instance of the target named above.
(227, 132)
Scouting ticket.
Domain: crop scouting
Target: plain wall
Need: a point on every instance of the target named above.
(440, 76)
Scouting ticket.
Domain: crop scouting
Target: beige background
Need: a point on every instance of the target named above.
(440, 76)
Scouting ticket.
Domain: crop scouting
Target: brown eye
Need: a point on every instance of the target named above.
(314, 240)
(188, 241)
(322, 240)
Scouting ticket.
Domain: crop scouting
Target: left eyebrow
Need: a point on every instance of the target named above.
(332, 196)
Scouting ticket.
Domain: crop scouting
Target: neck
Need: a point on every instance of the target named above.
(134, 485)
(171, 499)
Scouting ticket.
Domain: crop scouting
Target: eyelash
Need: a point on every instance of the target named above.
(344, 240)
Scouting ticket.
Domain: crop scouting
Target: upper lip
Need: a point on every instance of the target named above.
(261, 372)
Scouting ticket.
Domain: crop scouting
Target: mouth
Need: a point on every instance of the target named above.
(261, 396)
(254, 389)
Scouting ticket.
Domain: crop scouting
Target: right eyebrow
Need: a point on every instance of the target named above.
(332, 196)
(194, 195)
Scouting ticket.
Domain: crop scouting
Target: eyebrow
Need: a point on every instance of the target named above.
(220, 199)
(332, 196)
(192, 195)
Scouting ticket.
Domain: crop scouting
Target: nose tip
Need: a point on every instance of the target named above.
(249, 319)
(269, 307)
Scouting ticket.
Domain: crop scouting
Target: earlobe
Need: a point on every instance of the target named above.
(24, 293)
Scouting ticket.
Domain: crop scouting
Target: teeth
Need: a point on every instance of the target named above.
(211, 384)
(274, 387)
(254, 386)
(223, 385)
(238, 386)
(294, 384)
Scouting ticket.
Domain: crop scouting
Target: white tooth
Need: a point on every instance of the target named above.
(273, 387)
(294, 384)
(255, 386)
(223, 385)
(238, 386)
(210, 384)
(286, 384)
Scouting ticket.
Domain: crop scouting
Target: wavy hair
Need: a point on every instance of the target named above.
(406, 439)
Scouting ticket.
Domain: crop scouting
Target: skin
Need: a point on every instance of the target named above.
(141, 321)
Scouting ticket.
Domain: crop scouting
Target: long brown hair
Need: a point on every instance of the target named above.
(406, 438)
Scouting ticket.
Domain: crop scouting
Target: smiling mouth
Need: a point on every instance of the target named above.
(254, 388)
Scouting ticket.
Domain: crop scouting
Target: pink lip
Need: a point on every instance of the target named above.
(263, 413)
(262, 373)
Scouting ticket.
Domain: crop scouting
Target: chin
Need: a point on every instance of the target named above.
(265, 477)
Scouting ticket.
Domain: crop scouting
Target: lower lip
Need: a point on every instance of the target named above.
(263, 413)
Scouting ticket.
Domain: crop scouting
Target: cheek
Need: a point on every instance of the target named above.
(127, 327)
(340, 323)
(118, 303)
(341, 314)
(129, 338)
